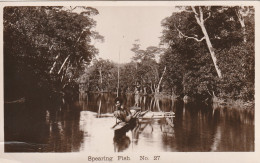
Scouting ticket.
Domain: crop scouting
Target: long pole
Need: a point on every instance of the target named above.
(118, 74)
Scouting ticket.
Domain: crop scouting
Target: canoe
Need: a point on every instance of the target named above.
(143, 116)
(158, 115)
(124, 127)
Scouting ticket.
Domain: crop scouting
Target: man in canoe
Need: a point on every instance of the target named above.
(124, 114)
(121, 112)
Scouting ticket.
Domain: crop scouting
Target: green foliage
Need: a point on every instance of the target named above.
(127, 77)
(48, 49)
(239, 73)
(147, 69)
(143, 70)
(190, 69)
(102, 75)
(37, 41)
(189, 65)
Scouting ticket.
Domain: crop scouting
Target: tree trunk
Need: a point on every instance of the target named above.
(200, 20)
(152, 88)
(64, 73)
(54, 64)
(101, 80)
(211, 50)
(99, 109)
(242, 23)
(243, 26)
(244, 34)
(145, 92)
(157, 103)
(160, 81)
(63, 63)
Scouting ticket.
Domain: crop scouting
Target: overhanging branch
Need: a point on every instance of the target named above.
(189, 37)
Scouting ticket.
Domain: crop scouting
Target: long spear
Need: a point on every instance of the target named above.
(118, 74)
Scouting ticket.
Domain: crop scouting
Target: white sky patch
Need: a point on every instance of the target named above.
(121, 26)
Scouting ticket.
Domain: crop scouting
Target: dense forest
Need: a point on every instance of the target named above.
(206, 52)
(45, 49)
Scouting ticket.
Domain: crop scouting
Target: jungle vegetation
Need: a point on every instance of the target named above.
(205, 51)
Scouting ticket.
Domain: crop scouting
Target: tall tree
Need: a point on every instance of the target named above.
(186, 58)
(202, 14)
(46, 46)
(147, 68)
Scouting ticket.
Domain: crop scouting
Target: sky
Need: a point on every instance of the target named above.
(121, 26)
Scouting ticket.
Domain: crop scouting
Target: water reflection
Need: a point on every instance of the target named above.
(121, 143)
(197, 127)
(121, 140)
(64, 134)
(86, 127)
(38, 129)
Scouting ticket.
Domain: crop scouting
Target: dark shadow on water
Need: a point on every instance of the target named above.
(32, 128)
(197, 126)
(200, 127)
(121, 141)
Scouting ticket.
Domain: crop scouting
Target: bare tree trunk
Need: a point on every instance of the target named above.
(101, 78)
(242, 21)
(151, 104)
(54, 64)
(151, 88)
(160, 81)
(200, 20)
(157, 103)
(63, 63)
(211, 50)
(99, 109)
(145, 92)
(154, 88)
(64, 74)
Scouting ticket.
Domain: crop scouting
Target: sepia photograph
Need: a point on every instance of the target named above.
(119, 79)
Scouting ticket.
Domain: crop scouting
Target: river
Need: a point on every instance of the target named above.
(85, 126)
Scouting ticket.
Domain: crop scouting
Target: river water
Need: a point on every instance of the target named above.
(85, 126)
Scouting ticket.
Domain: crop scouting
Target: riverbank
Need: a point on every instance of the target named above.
(230, 103)
(217, 102)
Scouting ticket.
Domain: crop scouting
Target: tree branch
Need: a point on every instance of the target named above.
(188, 37)
(201, 15)
(158, 87)
(207, 17)
(196, 15)
(238, 14)
(194, 10)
